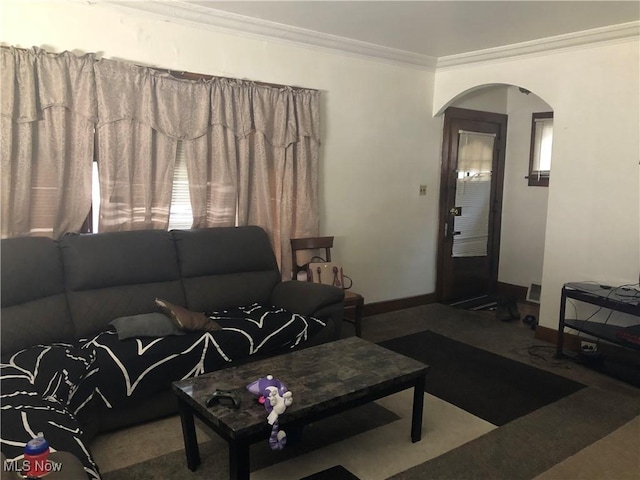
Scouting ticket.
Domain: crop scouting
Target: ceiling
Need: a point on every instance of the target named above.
(431, 28)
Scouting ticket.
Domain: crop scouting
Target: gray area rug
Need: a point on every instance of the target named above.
(530, 445)
(214, 454)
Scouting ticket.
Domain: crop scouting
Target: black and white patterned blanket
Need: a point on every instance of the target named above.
(139, 367)
(45, 387)
(37, 384)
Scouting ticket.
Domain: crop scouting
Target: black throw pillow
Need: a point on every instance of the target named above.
(154, 324)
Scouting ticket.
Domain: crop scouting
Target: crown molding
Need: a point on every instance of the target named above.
(179, 11)
(608, 34)
(226, 22)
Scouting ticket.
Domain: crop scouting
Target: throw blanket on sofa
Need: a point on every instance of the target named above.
(37, 384)
(139, 367)
(44, 387)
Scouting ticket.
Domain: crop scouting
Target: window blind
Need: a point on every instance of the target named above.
(181, 213)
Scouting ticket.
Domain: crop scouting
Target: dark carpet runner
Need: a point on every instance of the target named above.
(486, 385)
(334, 473)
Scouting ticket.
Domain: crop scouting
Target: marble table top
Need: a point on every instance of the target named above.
(320, 377)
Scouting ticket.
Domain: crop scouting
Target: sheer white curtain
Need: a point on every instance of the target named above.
(251, 152)
(262, 164)
(278, 187)
(142, 115)
(212, 160)
(48, 111)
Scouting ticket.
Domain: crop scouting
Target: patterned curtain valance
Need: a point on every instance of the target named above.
(105, 91)
(177, 108)
(34, 80)
(184, 109)
(282, 115)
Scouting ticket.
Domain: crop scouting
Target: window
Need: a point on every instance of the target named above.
(180, 215)
(45, 198)
(540, 155)
(95, 200)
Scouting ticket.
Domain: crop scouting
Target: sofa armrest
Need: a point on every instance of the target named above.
(305, 298)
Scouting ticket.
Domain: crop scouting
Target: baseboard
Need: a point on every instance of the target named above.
(550, 335)
(408, 302)
(397, 304)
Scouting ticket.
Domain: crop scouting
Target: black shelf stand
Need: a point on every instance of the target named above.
(616, 299)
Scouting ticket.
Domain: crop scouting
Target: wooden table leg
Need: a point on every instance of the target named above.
(418, 405)
(358, 315)
(560, 337)
(239, 460)
(355, 301)
(189, 435)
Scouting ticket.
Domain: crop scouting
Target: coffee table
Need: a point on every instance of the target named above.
(324, 379)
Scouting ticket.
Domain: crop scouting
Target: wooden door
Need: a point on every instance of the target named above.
(470, 203)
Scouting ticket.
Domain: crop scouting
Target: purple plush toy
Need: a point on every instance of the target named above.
(276, 398)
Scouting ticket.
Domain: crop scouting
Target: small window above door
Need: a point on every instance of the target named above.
(541, 147)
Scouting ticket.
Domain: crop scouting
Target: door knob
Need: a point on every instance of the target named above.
(455, 211)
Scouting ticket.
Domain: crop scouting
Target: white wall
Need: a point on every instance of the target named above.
(524, 208)
(380, 141)
(593, 230)
(492, 98)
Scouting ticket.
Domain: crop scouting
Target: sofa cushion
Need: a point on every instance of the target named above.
(154, 324)
(186, 320)
(25, 414)
(226, 267)
(137, 368)
(224, 250)
(117, 274)
(118, 258)
(92, 310)
(54, 371)
(34, 307)
(217, 292)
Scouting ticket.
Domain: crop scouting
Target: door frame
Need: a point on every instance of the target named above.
(447, 182)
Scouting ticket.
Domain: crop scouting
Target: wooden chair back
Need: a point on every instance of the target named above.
(311, 243)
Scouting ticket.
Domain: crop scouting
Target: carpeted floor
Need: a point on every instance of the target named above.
(532, 444)
(375, 453)
(455, 444)
(214, 451)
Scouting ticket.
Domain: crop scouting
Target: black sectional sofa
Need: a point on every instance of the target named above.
(69, 372)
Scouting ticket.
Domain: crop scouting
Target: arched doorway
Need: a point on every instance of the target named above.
(509, 252)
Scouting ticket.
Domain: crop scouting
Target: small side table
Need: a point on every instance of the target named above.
(355, 301)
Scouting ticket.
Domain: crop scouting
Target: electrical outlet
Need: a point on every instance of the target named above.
(588, 346)
(423, 190)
